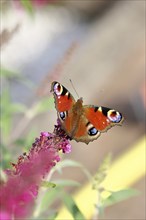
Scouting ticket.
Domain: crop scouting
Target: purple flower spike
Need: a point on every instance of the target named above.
(18, 194)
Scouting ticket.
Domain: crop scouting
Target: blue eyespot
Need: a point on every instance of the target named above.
(62, 115)
(115, 117)
(92, 131)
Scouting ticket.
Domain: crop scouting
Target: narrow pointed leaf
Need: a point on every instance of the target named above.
(119, 196)
(72, 207)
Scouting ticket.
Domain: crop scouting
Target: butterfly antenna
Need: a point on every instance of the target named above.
(74, 88)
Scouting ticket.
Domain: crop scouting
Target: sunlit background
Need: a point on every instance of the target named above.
(99, 45)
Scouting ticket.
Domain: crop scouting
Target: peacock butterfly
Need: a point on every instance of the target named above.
(81, 122)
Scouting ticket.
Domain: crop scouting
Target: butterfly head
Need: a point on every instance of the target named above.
(78, 107)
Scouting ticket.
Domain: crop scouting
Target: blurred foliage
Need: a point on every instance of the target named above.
(9, 109)
(119, 196)
(28, 5)
(105, 197)
(72, 163)
(102, 172)
(72, 207)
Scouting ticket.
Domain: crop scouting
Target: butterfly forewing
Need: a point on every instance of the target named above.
(102, 118)
(64, 102)
(63, 99)
(85, 131)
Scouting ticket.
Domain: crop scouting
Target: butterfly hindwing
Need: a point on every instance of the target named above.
(85, 131)
(94, 121)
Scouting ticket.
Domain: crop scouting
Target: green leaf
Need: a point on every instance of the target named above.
(6, 114)
(119, 196)
(66, 182)
(53, 216)
(48, 198)
(20, 142)
(66, 163)
(26, 142)
(3, 176)
(47, 184)
(8, 73)
(18, 108)
(71, 163)
(7, 110)
(27, 4)
(44, 105)
(5, 157)
(102, 172)
(72, 207)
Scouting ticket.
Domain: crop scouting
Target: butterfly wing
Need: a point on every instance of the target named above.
(103, 118)
(94, 121)
(82, 123)
(64, 103)
(85, 132)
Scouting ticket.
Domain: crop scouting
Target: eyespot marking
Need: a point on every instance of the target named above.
(92, 131)
(58, 89)
(114, 116)
(63, 115)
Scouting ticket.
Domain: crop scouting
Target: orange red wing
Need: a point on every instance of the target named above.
(102, 118)
(64, 102)
(63, 99)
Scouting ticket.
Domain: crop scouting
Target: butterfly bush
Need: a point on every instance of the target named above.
(19, 192)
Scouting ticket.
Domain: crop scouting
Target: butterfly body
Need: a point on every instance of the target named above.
(82, 123)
